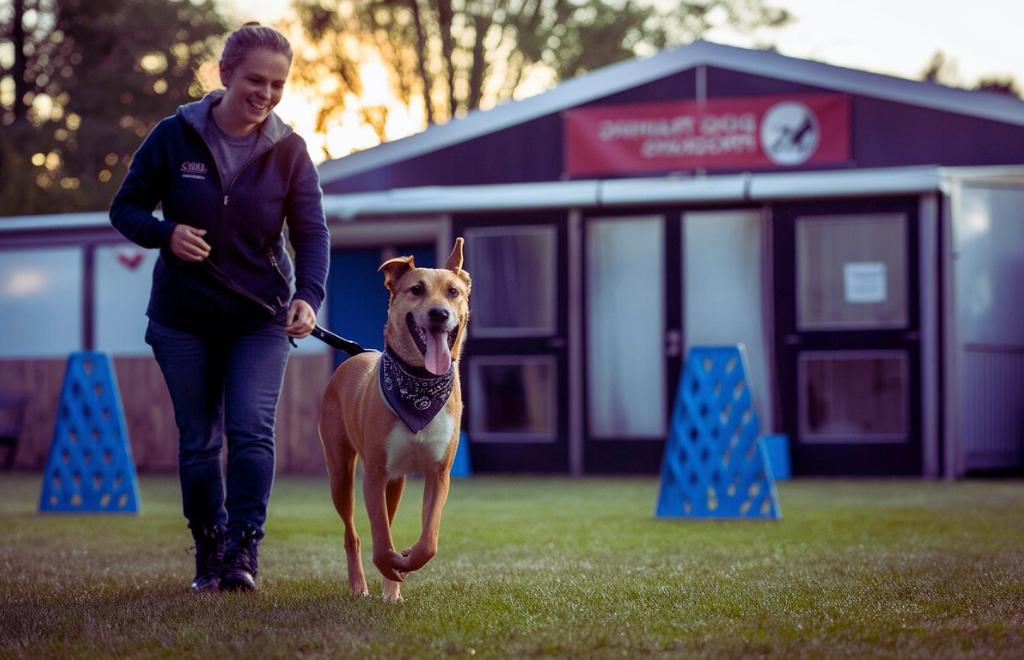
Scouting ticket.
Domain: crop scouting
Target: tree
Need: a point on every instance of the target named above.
(92, 78)
(999, 84)
(941, 70)
(26, 44)
(25, 62)
(453, 56)
(944, 71)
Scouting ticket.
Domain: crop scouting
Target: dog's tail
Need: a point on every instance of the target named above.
(340, 343)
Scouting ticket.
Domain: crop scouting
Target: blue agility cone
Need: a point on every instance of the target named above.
(90, 467)
(714, 466)
(461, 466)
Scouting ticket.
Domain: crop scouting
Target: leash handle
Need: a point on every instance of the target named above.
(340, 343)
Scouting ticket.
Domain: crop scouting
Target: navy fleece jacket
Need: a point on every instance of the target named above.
(244, 219)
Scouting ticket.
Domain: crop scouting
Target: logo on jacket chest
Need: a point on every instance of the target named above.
(190, 169)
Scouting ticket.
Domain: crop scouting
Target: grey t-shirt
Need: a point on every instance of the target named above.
(230, 152)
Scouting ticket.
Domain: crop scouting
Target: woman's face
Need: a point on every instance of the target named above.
(254, 87)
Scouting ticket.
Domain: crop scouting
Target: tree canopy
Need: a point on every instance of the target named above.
(82, 82)
(452, 56)
(943, 70)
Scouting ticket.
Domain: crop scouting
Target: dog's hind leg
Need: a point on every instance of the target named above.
(343, 495)
(393, 495)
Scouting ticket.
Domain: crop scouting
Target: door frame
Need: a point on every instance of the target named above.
(378, 234)
(644, 455)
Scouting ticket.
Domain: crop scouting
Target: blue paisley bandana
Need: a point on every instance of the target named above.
(414, 394)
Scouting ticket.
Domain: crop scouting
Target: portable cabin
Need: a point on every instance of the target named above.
(70, 283)
(859, 234)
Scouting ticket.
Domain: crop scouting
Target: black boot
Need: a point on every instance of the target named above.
(240, 561)
(209, 557)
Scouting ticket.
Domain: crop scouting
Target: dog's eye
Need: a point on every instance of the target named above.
(416, 289)
(453, 292)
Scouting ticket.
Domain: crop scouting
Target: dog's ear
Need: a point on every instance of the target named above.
(393, 270)
(455, 261)
(455, 258)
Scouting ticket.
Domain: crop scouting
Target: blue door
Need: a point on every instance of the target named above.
(357, 302)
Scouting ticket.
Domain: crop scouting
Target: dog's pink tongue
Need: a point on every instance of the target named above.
(439, 358)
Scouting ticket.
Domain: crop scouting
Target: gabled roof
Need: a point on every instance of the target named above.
(632, 73)
(727, 188)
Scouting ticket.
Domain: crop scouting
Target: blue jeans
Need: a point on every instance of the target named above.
(224, 387)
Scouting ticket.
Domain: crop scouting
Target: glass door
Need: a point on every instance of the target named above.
(848, 340)
(724, 293)
(629, 327)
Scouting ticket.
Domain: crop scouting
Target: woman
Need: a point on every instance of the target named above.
(229, 175)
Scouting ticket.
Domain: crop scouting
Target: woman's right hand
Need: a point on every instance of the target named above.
(188, 245)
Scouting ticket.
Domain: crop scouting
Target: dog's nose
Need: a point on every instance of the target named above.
(438, 314)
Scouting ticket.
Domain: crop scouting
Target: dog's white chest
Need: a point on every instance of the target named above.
(414, 452)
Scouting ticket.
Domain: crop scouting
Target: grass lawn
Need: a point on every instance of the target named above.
(538, 567)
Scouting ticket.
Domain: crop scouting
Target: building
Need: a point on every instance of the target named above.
(845, 226)
(859, 234)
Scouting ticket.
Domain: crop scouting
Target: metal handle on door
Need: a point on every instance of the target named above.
(673, 342)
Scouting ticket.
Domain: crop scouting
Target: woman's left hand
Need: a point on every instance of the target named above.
(301, 319)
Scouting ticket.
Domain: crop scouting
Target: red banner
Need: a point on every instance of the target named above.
(757, 132)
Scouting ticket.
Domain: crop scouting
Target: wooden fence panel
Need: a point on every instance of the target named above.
(298, 440)
(148, 414)
(40, 382)
(150, 417)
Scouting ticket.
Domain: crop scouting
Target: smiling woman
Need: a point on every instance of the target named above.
(229, 174)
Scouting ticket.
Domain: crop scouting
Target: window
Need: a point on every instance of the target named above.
(514, 281)
(40, 302)
(513, 398)
(853, 395)
(851, 272)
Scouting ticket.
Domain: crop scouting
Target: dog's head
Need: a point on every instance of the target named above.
(428, 310)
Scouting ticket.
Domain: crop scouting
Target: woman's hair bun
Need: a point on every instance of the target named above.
(249, 37)
(250, 23)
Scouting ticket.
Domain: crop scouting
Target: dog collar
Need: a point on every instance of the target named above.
(414, 394)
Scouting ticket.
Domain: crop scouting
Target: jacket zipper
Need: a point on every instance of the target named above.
(269, 251)
(273, 262)
(241, 169)
(220, 274)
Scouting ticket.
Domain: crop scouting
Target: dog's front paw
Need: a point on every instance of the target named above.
(392, 591)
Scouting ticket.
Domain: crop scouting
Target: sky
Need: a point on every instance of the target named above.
(896, 37)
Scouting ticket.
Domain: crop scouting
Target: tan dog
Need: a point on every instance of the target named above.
(426, 326)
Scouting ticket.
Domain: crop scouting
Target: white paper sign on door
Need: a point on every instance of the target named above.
(864, 282)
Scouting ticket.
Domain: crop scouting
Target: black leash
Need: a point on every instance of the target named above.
(326, 336)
